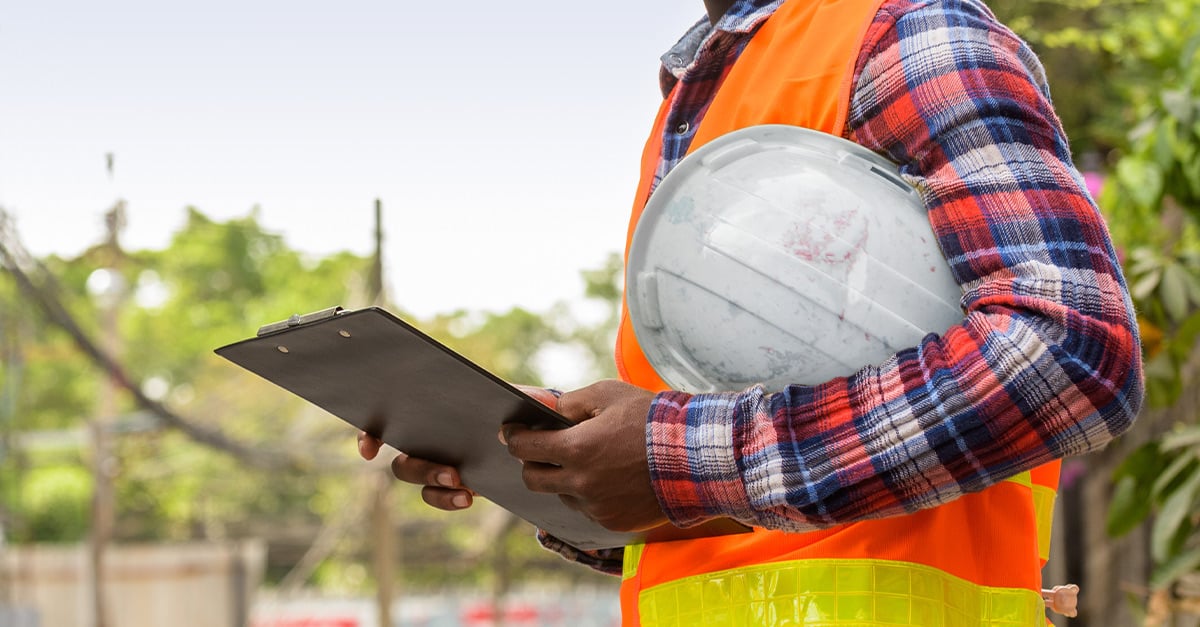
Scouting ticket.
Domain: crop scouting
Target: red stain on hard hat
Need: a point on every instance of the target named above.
(835, 241)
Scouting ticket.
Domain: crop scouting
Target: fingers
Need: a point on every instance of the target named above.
(550, 461)
(582, 404)
(424, 472)
(528, 445)
(547, 479)
(542, 395)
(598, 466)
(449, 500)
(368, 447)
(540, 453)
(443, 486)
(588, 402)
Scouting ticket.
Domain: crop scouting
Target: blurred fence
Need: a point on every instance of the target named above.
(183, 585)
(564, 606)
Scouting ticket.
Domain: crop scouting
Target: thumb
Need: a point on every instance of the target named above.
(609, 397)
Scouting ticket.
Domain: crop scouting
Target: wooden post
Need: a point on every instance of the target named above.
(377, 296)
(384, 553)
(384, 548)
(108, 292)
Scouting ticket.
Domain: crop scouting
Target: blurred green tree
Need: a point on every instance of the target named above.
(212, 284)
(1132, 75)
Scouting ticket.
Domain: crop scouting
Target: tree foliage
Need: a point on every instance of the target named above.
(1144, 114)
(1126, 82)
(1154, 201)
(216, 282)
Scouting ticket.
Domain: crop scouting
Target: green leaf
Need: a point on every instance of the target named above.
(1145, 285)
(1163, 385)
(1185, 155)
(1164, 143)
(1191, 171)
(1132, 500)
(1193, 285)
(1174, 291)
(1160, 367)
(1129, 507)
(1142, 130)
(1142, 179)
(1143, 464)
(1178, 103)
(1168, 476)
(1191, 51)
(1176, 567)
(1147, 255)
(1172, 516)
(1188, 333)
(1187, 436)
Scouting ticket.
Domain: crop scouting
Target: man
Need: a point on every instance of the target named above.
(909, 493)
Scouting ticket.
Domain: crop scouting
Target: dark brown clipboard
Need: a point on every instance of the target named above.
(384, 376)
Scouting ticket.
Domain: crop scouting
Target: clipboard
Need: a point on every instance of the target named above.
(387, 378)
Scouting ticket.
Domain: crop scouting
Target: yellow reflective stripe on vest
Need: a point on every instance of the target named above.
(1025, 479)
(1043, 507)
(630, 560)
(829, 592)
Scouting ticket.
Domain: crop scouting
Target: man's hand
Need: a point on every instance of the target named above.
(599, 466)
(443, 487)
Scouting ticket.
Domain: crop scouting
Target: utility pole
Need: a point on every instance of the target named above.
(384, 546)
(375, 288)
(107, 287)
(384, 553)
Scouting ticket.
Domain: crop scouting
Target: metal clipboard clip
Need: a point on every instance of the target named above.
(299, 320)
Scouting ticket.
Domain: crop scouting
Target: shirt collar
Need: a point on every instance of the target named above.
(743, 17)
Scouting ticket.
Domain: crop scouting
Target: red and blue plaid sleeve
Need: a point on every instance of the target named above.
(1045, 364)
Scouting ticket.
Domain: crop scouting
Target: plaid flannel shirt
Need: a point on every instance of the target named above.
(1046, 362)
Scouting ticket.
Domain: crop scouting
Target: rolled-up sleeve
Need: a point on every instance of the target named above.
(1046, 362)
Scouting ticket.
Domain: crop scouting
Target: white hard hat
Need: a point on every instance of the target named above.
(778, 255)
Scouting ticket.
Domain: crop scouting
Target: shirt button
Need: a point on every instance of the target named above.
(675, 59)
(682, 128)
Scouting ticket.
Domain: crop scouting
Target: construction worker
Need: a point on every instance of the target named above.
(915, 492)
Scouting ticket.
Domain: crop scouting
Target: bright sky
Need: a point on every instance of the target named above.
(503, 139)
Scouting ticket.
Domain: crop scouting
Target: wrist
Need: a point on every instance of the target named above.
(691, 452)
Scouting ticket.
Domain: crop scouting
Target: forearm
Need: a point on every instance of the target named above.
(1045, 363)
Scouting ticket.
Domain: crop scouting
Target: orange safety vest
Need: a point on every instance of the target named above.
(973, 561)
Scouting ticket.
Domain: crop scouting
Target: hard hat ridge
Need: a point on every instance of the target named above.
(778, 255)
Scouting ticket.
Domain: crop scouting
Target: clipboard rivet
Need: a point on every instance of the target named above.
(343, 333)
(281, 348)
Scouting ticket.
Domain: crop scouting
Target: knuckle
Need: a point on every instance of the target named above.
(532, 478)
(575, 450)
(398, 466)
(568, 403)
(580, 485)
(406, 469)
